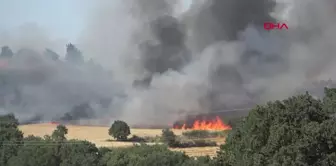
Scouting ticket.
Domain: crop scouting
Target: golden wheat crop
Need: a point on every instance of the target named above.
(99, 136)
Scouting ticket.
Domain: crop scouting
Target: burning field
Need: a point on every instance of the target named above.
(212, 124)
(161, 62)
(99, 136)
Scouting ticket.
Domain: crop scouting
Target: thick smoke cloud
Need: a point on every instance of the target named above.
(219, 20)
(213, 57)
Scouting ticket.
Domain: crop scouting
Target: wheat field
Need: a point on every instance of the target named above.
(99, 136)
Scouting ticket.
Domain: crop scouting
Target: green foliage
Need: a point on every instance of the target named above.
(79, 153)
(55, 150)
(193, 143)
(104, 150)
(235, 121)
(329, 101)
(136, 138)
(204, 143)
(200, 161)
(35, 151)
(59, 133)
(10, 137)
(155, 139)
(169, 137)
(144, 155)
(119, 130)
(296, 131)
(204, 134)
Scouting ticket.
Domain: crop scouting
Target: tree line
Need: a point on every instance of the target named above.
(300, 130)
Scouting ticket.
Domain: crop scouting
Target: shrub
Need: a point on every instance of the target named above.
(204, 134)
(119, 130)
(35, 151)
(204, 143)
(145, 155)
(155, 139)
(169, 137)
(77, 152)
(193, 143)
(136, 138)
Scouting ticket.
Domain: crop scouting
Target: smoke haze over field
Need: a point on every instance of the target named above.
(166, 63)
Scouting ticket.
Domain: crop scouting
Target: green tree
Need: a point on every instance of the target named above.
(59, 133)
(329, 100)
(119, 130)
(169, 137)
(35, 152)
(58, 137)
(10, 137)
(144, 155)
(297, 131)
(79, 153)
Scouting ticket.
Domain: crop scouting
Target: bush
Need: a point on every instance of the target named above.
(119, 130)
(204, 134)
(204, 143)
(35, 151)
(155, 139)
(169, 137)
(193, 143)
(145, 155)
(136, 138)
(81, 153)
(297, 131)
(51, 151)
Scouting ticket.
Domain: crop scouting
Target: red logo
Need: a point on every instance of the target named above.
(271, 26)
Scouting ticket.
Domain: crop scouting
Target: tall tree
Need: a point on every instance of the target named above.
(10, 137)
(73, 54)
(6, 52)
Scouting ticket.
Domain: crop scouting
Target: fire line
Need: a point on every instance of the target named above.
(215, 124)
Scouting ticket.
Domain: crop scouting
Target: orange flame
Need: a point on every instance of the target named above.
(216, 124)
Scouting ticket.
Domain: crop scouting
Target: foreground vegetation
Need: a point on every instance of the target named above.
(297, 131)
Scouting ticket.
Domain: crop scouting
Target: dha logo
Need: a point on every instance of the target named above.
(271, 26)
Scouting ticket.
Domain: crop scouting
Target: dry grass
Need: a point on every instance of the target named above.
(99, 136)
(199, 151)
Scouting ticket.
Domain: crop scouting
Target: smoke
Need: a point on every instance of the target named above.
(215, 56)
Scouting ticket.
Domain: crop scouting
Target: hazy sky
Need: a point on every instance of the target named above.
(61, 18)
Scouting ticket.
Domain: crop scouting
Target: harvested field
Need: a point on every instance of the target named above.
(99, 136)
(199, 151)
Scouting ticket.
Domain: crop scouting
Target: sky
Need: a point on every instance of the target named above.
(61, 18)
